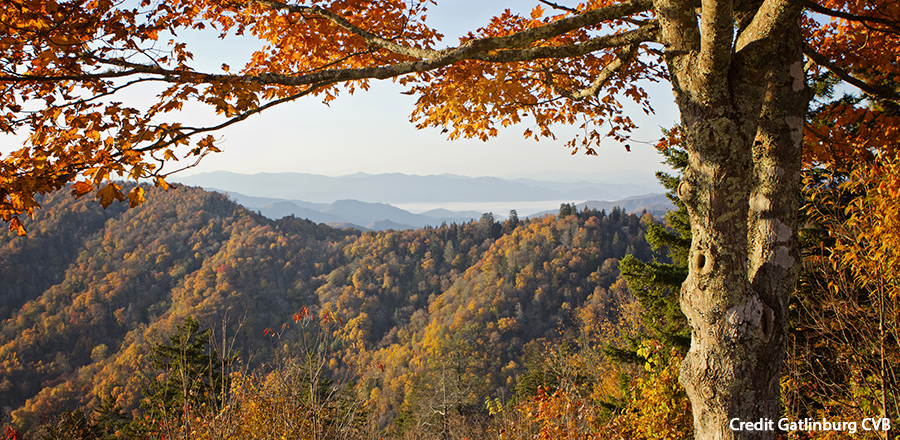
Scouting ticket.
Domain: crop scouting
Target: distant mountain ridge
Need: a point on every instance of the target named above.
(381, 216)
(655, 204)
(350, 213)
(402, 188)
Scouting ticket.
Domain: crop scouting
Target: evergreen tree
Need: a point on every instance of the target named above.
(111, 418)
(567, 209)
(192, 373)
(512, 222)
(73, 425)
(657, 285)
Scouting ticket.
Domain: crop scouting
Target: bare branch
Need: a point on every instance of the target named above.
(873, 90)
(813, 6)
(559, 7)
(191, 131)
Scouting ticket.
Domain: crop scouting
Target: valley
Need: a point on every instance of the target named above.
(78, 326)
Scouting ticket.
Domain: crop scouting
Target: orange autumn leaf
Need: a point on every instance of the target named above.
(552, 66)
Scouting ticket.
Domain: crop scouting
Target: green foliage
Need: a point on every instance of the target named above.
(567, 209)
(191, 375)
(108, 422)
(73, 425)
(111, 418)
(656, 285)
(513, 218)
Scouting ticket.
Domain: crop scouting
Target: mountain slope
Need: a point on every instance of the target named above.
(135, 275)
(655, 205)
(279, 210)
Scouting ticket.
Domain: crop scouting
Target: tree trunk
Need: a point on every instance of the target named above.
(742, 110)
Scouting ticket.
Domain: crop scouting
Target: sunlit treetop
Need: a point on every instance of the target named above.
(65, 65)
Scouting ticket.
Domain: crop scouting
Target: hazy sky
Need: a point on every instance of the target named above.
(370, 131)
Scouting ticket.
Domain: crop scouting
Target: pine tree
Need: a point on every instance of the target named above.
(111, 418)
(192, 374)
(567, 209)
(73, 425)
(512, 222)
(657, 285)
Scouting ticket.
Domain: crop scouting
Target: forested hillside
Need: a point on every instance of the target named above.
(88, 293)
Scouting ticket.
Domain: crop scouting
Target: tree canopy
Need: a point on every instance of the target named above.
(65, 64)
(743, 73)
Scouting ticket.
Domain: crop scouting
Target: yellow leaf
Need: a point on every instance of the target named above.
(136, 196)
(109, 193)
(161, 182)
(16, 225)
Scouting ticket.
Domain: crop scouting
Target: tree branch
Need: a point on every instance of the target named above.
(488, 50)
(873, 90)
(518, 39)
(84, 77)
(508, 48)
(603, 77)
(772, 18)
(716, 37)
(372, 39)
(191, 131)
(815, 7)
(559, 7)
(678, 26)
(624, 39)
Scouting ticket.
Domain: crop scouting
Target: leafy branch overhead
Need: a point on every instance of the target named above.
(65, 64)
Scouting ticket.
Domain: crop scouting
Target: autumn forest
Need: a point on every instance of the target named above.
(89, 291)
(191, 317)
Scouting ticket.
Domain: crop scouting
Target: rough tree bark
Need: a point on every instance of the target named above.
(742, 102)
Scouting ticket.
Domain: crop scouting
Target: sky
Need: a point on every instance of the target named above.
(370, 131)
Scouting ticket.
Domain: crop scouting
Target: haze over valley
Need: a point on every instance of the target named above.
(400, 201)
